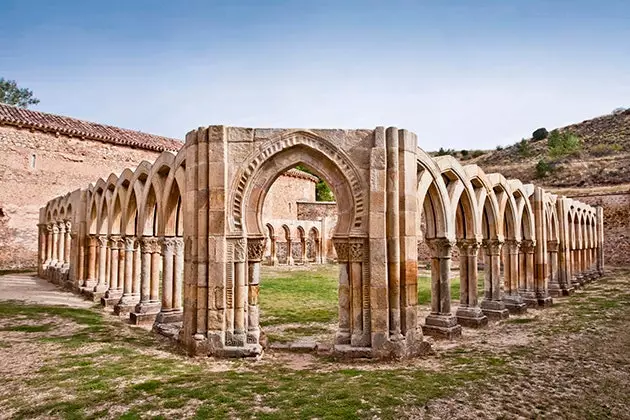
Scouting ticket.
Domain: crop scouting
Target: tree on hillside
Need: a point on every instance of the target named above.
(12, 94)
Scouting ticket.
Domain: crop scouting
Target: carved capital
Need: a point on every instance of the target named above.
(114, 241)
(130, 243)
(468, 247)
(240, 250)
(553, 246)
(68, 225)
(492, 246)
(255, 249)
(342, 248)
(101, 240)
(150, 245)
(179, 245)
(49, 227)
(356, 251)
(61, 226)
(440, 247)
(527, 246)
(168, 245)
(512, 246)
(55, 228)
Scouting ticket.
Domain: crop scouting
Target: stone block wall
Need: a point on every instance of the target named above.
(36, 167)
(280, 202)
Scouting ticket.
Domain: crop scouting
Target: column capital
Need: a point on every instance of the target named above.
(149, 244)
(168, 244)
(512, 245)
(130, 243)
(440, 247)
(468, 246)
(179, 245)
(528, 246)
(239, 249)
(357, 250)
(342, 248)
(493, 246)
(61, 226)
(255, 249)
(102, 240)
(553, 246)
(68, 225)
(55, 228)
(114, 241)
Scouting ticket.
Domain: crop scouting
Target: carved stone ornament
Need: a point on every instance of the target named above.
(356, 252)
(440, 247)
(342, 248)
(255, 249)
(240, 249)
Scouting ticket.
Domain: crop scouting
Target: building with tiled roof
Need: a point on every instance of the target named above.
(72, 127)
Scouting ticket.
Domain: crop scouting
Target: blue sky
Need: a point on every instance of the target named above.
(460, 74)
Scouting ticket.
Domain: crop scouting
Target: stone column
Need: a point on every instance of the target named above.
(392, 231)
(273, 258)
(49, 244)
(359, 319)
(41, 256)
(55, 244)
(67, 242)
(555, 287)
(492, 305)
(513, 301)
(149, 306)
(61, 238)
(91, 279)
(172, 281)
(114, 292)
(168, 248)
(303, 251)
(469, 314)
(178, 275)
(240, 292)
(102, 286)
(441, 323)
(527, 286)
(156, 267)
(289, 251)
(342, 249)
(128, 299)
(136, 280)
(255, 249)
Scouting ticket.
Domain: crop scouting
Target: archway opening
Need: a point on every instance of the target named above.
(300, 277)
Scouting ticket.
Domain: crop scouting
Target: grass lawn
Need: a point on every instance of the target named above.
(308, 296)
(60, 362)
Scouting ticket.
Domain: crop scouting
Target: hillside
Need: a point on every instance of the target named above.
(591, 153)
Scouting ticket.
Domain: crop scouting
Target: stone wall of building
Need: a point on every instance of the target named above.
(280, 202)
(616, 223)
(36, 167)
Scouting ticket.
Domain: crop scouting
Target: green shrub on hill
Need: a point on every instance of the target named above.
(563, 144)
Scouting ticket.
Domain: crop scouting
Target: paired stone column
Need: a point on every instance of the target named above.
(91, 278)
(49, 244)
(440, 322)
(289, 251)
(273, 257)
(511, 297)
(67, 243)
(61, 242)
(172, 278)
(492, 305)
(469, 314)
(556, 288)
(129, 299)
(101, 285)
(55, 244)
(527, 284)
(303, 251)
(149, 306)
(255, 249)
(114, 293)
(342, 248)
(42, 242)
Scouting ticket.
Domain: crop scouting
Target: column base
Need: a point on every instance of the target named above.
(90, 294)
(109, 302)
(442, 326)
(471, 317)
(126, 305)
(514, 304)
(170, 317)
(101, 288)
(495, 310)
(342, 338)
(145, 313)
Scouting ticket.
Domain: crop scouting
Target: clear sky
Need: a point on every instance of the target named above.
(461, 74)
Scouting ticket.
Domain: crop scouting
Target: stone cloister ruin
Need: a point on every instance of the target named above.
(182, 239)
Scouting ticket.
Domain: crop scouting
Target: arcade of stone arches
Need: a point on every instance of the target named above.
(182, 240)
